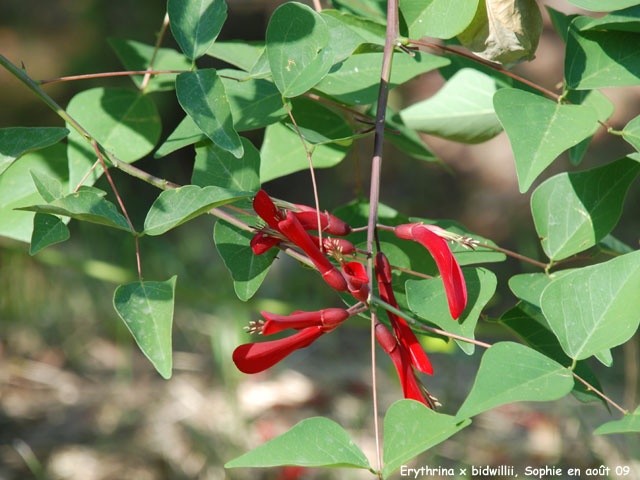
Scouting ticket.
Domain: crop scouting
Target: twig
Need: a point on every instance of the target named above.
(86, 175)
(514, 255)
(313, 175)
(88, 76)
(317, 6)
(94, 144)
(163, 29)
(599, 393)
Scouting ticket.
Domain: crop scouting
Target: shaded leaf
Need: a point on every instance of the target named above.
(297, 39)
(574, 211)
(217, 167)
(369, 9)
(630, 423)
(510, 372)
(195, 24)
(48, 187)
(147, 310)
(462, 110)
(318, 124)
(612, 244)
(18, 190)
(370, 30)
(47, 230)
(436, 18)
(411, 428)
(122, 121)
(631, 133)
(356, 80)
(137, 56)
(84, 205)
(560, 21)
(600, 6)
(407, 140)
(202, 95)
(282, 153)
(185, 134)
(595, 308)
(247, 270)
(539, 130)
(16, 141)
(239, 53)
(314, 442)
(627, 20)
(596, 59)
(428, 300)
(179, 205)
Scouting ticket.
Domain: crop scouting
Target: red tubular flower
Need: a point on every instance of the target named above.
(340, 245)
(293, 230)
(257, 357)
(261, 243)
(329, 223)
(410, 387)
(328, 319)
(267, 210)
(400, 327)
(450, 271)
(357, 280)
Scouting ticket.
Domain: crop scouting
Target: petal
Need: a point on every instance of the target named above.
(266, 209)
(256, 357)
(261, 243)
(329, 223)
(356, 273)
(329, 318)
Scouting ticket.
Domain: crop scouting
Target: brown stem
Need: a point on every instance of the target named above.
(513, 254)
(316, 5)
(163, 29)
(87, 76)
(86, 175)
(599, 393)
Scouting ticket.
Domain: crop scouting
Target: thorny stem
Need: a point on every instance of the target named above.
(88, 76)
(163, 29)
(94, 144)
(313, 175)
(374, 188)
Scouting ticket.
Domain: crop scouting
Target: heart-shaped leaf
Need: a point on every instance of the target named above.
(630, 423)
(195, 24)
(217, 167)
(47, 230)
(147, 310)
(437, 18)
(539, 130)
(16, 141)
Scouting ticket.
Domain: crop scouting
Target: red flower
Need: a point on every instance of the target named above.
(261, 242)
(340, 245)
(294, 231)
(328, 318)
(357, 280)
(267, 210)
(400, 327)
(450, 271)
(331, 224)
(256, 357)
(410, 386)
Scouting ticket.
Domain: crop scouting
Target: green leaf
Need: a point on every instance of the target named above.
(122, 121)
(574, 211)
(282, 153)
(529, 286)
(604, 107)
(314, 442)
(600, 6)
(18, 190)
(179, 205)
(356, 80)
(407, 140)
(137, 56)
(247, 270)
(147, 310)
(343, 40)
(195, 24)
(627, 20)
(185, 134)
(85, 205)
(510, 372)
(428, 300)
(631, 133)
(48, 187)
(16, 141)
(539, 130)
(462, 110)
(237, 52)
(47, 230)
(318, 124)
(595, 308)
(437, 18)
(254, 103)
(611, 244)
(369, 9)
(560, 21)
(596, 59)
(411, 428)
(297, 39)
(605, 357)
(528, 323)
(630, 423)
(217, 167)
(371, 31)
(202, 95)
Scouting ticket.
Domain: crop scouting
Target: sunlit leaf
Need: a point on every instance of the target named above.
(437, 18)
(16, 141)
(630, 423)
(215, 166)
(631, 133)
(195, 24)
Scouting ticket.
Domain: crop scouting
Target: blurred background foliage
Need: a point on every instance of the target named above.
(79, 401)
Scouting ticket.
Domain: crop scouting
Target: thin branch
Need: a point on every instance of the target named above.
(88, 76)
(316, 5)
(599, 393)
(86, 175)
(313, 175)
(163, 29)
(94, 144)
(514, 255)
(412, 272)
(374, 381)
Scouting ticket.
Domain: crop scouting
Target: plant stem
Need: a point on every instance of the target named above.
(163, 29)
(514, 255)
(599, 393)
(88, 76)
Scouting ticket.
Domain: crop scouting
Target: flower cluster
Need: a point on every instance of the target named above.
(292, 225)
